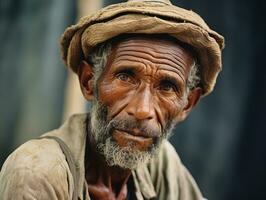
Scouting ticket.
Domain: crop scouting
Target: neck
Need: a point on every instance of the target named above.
(101, 177)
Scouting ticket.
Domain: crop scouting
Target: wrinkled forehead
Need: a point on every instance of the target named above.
(162, 51)
(164, 42)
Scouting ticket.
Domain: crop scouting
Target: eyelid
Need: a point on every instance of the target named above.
(174, 87)
(126, 70)
(170, 80)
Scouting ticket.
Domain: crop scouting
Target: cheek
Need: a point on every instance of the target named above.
(114, 95)
(170, 107)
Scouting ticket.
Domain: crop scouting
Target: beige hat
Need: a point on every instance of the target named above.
(148, 17)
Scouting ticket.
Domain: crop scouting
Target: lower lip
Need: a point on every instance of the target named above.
(125, 139)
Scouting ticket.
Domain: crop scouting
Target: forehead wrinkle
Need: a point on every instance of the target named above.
(168, 49)
(176, 72)
(159, 60)
(174, 58)
(177, 69)
(131, 58)
(137, 64)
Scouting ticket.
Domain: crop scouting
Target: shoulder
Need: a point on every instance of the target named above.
(170, 177)
(36, 169)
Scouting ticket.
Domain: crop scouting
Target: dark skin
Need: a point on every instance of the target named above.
(105, 182)
(145, 80)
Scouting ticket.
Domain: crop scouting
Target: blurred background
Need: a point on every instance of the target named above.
(222, 143)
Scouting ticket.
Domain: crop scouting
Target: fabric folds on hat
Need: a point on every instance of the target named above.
(146, 17)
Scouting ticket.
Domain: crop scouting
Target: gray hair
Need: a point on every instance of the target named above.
(194, 76)
(98, 59)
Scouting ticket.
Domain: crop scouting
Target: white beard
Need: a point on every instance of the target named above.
(115, 155)
(124, 157)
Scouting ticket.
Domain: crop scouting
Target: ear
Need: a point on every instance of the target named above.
(85, 74)
(192, 100)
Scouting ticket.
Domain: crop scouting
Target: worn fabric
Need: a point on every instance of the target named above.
(38, 170)
(146, 17)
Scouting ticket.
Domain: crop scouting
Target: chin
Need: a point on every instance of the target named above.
(126, 157)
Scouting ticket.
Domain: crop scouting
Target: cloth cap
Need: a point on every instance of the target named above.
(146, 17)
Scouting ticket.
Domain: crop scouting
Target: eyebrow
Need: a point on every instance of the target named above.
(131, 67)
(173, 77)
(170, 79)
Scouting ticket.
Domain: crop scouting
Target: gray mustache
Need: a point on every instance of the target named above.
(129, 125)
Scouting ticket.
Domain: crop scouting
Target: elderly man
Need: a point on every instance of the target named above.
(144, 65)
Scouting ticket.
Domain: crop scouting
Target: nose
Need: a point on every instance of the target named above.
(141, 106)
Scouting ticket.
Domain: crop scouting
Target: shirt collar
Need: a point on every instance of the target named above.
(143, 183)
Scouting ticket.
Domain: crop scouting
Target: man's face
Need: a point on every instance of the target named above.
(142, 93)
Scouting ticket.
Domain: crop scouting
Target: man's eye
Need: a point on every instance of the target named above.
(123, 77)
(167, 87)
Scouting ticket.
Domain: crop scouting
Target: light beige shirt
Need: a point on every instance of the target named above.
(38, 170)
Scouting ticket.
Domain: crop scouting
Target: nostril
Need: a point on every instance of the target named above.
(130, 113)
(150, 117)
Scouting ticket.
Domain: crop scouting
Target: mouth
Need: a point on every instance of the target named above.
(132, 139)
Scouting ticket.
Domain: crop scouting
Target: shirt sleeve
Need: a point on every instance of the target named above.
(34, 172)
